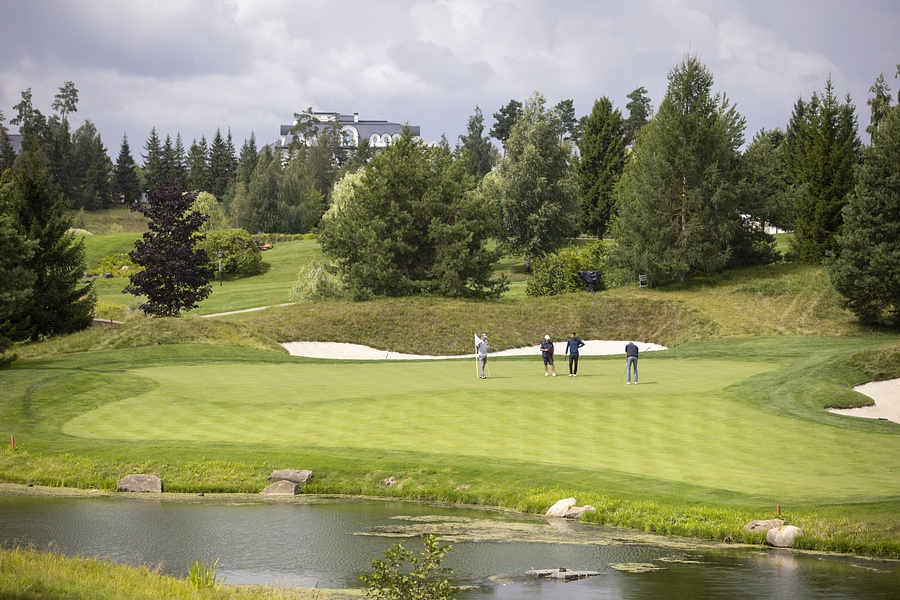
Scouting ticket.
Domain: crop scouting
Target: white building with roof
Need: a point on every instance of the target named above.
(380, 134)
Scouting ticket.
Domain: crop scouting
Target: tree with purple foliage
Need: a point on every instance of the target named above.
(176, 274)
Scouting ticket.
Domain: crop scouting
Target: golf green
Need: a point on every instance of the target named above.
(680, 424)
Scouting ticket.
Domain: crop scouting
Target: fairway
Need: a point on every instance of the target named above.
(681, 424)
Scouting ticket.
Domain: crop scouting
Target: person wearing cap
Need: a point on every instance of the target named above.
(572, 346)
(547, 355)
(482, 349)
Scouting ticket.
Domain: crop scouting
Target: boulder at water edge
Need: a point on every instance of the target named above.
(140, 483)
(760, 525)
(298, 476)
(576, 511)
(783, 537)
(282, 488)
(561, 508)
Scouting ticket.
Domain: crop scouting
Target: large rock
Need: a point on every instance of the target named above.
(783, 537)
(561, 508)
(298, 476)
(576, 511)
(140, 483)
(282, 488)
(765, 525)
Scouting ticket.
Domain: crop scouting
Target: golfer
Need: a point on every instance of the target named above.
(547, 355)
(631, 358)
(482, 349)
(572, 346)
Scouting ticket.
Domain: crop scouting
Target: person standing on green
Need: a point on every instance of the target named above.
(572, 347)
(481, 349)
(547, 355)
(631, 358)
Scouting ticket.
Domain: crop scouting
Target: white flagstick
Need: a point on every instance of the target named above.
(476, 356)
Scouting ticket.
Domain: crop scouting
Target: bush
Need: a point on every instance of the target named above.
(117, 265)
(558, 273)
(240, 255)
(424, 582)
(316, 282)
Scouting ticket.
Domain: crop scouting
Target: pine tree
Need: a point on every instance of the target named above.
(128, 185)
(219, 165)
(536, 189)
(476, 149)
(7, 152)
(879, 104)
(248, 159)
(677, 212)
(639, 112)
(824, 152)
(599, 166)
(154, 169)
(16, 282)
(506, 117)
(866, 267)
(198, 166)
(60, 303)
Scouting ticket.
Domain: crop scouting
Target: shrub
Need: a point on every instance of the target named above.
(316, 282)
(204, 575)
(240, 254)
(422, 583)
(558, 273)
(117, 265)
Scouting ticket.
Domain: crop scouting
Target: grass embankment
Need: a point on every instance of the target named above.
(26, 574)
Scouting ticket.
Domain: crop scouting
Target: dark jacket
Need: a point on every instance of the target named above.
(573, 345)
(631, 350)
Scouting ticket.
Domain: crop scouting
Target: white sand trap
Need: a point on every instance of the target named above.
(886, 395)
(357, 352)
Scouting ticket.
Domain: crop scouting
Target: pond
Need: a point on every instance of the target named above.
(330, 542)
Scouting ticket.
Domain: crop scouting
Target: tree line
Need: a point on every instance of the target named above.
(678, 189)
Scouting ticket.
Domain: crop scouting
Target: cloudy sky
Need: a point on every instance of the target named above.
(194, 66)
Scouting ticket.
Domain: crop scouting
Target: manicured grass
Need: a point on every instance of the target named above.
(718, 432)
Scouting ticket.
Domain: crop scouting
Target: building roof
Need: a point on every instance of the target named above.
(357, 128)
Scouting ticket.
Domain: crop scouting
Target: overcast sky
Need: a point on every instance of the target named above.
(194, 66)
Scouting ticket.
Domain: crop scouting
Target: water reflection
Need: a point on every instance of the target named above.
(329, 543)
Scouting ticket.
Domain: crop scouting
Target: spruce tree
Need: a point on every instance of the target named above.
(866, 267)
(60, 303)
(154, 169)
(677, 213)
(7, 152)
(128, 185)
(824, 152)
(639, 112)
(536, 193)
(198, 166)
(476, 149)
(599, 165)
(16, 282)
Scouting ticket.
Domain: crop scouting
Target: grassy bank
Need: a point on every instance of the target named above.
(28, 574)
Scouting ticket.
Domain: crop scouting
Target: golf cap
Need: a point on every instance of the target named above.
(546, 337)
(484, 336)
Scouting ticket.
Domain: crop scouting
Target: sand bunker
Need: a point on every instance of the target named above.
(886, 395)
(358, 352)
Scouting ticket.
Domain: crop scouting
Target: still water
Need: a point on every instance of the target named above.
(330, 542)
